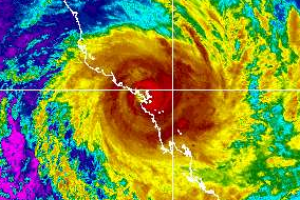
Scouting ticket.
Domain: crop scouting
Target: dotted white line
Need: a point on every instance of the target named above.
(145, 98)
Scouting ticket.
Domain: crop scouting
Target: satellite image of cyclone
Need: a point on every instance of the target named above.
(150, 99)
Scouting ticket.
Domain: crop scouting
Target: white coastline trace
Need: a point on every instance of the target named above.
(145, 98)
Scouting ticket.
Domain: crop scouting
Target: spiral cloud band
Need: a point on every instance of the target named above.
(150, 99)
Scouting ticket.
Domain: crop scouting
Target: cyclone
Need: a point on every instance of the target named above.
(149, 100)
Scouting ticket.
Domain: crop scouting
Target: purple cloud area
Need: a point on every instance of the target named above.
(19, 178)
